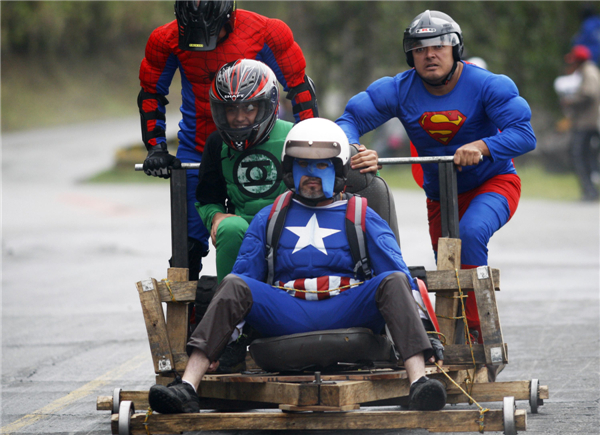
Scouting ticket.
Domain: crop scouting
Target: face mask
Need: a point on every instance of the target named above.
(327, 175)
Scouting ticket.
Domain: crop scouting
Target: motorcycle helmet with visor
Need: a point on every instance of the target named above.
(199, 22)
(432, 28)
(316, 147)
(244, 101)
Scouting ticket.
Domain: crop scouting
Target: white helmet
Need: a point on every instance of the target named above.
(317, 138)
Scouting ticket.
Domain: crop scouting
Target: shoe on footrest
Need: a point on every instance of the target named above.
(427, 395)
(233, 358)
(176, 398)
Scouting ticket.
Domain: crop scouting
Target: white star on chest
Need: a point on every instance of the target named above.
(311, 235)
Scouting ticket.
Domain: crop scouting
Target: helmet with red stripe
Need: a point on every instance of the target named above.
(244, 101)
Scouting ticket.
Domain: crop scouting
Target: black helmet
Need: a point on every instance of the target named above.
(200, 22)
(313, 139)
(432, 28)
(249, 83)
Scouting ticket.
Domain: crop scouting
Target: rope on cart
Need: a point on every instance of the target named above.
(461, 296)
(167, 282)
(148, 414)
(482, 410)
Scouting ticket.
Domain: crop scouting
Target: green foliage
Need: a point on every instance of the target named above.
(348, 45)
(78, 28)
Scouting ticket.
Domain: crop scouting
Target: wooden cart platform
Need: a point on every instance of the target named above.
(354, 400)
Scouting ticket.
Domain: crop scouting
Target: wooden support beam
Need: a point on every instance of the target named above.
(184, 291)
(156, 326)
(178, 315)
(437, 281)
(271, 392)
(495, 391)
(482, 392)
(491, 332)
(445, 280)
(448, 258)
(434, 421)
(350, 392)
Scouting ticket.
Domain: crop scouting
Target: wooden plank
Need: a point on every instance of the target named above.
(491, 332)
(349, 392)
(491, 392)
(445, 280)
(437, 281)
(272, 392)
(178, 315)
(182, 291)
(434, 421)
(156, 326)
(362, 375)
(448, 258)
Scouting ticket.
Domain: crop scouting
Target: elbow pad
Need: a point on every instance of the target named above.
(304, 99)
(152, 116)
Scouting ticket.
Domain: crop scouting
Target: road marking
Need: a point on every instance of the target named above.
(75, 395)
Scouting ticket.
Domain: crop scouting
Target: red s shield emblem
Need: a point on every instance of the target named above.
(442, 126)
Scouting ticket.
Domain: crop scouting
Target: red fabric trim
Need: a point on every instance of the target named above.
(149, 105)
(507, 185)
(417, 170)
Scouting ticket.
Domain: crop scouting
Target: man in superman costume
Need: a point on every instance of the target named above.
(449, 107)
(205, 36)
(313, 247)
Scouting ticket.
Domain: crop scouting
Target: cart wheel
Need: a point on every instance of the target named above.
(508, 416)
(534, 400)
(116, 400)
(126, 410)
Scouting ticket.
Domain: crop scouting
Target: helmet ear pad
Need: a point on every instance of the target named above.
(410, 60)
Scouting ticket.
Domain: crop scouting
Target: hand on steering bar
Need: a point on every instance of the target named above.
(159, 163)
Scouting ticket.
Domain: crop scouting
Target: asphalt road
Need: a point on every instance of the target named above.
(72, 328)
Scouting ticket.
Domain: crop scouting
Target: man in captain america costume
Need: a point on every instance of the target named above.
(449, 107)
(241, 170)
(205, 36)
(313, 248)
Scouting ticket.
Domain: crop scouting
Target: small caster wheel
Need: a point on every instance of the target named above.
(116, 400)
(534, 400)
(126, 410)
(509, 407)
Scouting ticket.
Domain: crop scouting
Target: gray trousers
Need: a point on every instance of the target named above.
(233, 301)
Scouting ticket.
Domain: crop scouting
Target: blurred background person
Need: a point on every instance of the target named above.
(579, 93)
(589, 32)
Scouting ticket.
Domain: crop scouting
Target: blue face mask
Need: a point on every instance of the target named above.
(327, 175)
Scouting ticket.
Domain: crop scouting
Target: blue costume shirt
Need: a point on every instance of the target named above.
(313, 243)
(482, 105)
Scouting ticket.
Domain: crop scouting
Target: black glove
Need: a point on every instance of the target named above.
(438, 347)
(159, 162)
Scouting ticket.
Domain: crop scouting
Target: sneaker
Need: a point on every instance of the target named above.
(233, 358)
(175, 398)
(427, 395)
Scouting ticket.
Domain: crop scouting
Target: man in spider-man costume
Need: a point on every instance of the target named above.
(450, 107)
(205, 36)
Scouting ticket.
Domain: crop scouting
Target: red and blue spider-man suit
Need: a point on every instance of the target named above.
(254, 37)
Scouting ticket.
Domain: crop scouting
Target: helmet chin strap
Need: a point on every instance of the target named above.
(444, 81)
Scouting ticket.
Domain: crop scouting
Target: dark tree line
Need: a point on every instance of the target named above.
(347, 44)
